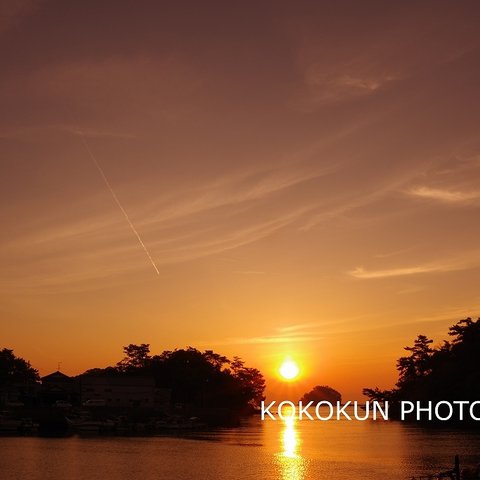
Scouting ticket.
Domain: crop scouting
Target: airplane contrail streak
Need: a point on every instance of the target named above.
(117, 201)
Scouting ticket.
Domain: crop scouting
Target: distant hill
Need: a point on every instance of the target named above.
(322, 393)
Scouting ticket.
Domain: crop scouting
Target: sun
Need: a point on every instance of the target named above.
(289, 369)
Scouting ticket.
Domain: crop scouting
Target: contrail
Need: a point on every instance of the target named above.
(117, 201)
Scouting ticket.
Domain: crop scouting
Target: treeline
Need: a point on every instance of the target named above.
(450, 371)
(194, 377)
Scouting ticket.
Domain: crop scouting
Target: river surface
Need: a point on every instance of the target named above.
(286, 450)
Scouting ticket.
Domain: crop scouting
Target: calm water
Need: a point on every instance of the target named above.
(258, 451)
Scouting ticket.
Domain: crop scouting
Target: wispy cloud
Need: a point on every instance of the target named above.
(325, 85)
(226, 241)
(455, 313)
(297, 333)
(385, 185)
(63, 252)
(336, 327)
(361, 272)
(464, 262)
(237, 189)
(296, 327)
(444, 195)
(54, 266)
(270, 339)
(365, 83)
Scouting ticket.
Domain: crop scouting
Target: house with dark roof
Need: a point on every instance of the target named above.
(58, 386)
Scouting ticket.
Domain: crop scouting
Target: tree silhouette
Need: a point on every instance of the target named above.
(450, 371)
(15, 369)
(322, 393)
(136, 356)
(417, 364)
(194, 377)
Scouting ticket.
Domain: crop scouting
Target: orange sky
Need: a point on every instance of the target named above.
(305, 177)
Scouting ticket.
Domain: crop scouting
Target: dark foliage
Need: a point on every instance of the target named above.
(447, 372)
(194, 377)
(322, 393)
(15, 369)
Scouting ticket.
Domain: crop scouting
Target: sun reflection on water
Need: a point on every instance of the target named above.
(292, 464)
(290, 440)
